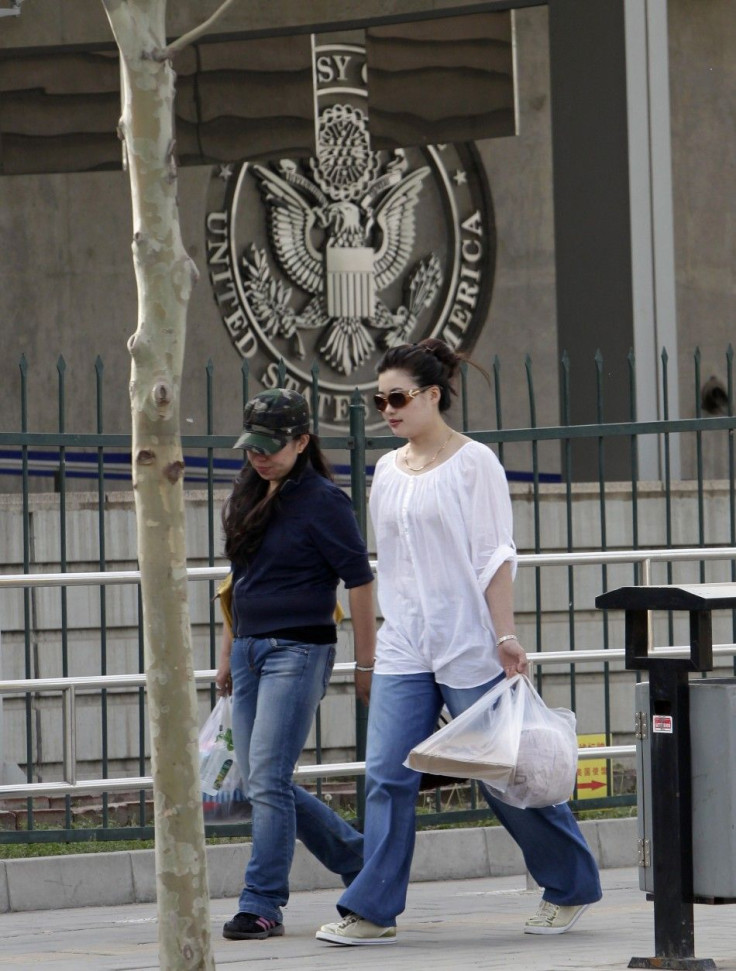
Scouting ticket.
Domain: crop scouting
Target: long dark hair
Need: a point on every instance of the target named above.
(431, 361)
(249, 507)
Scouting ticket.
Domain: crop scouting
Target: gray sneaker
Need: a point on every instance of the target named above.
(356, 930)
(553, 919)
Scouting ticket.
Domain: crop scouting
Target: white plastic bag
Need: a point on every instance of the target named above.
(216, 749)
(547, 758)
(481, 743)
(524, 751)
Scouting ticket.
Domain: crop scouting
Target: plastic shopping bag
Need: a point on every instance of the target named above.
(216, 749)
(525, 752)
(547, 758)
(481, 743)
(223, 788)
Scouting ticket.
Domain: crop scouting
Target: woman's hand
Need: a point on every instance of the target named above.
(363, 686)
(512, 657)
(363, 616)
(223, 678)
(500, 599)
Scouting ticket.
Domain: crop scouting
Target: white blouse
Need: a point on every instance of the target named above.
(440, 536)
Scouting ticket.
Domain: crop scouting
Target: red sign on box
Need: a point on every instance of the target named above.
(662, 723)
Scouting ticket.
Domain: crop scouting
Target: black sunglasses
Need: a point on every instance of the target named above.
(398, 399)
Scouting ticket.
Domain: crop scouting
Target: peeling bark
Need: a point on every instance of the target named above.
(165, 275)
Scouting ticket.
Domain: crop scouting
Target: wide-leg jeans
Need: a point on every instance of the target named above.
(403, 711)
(277, 685)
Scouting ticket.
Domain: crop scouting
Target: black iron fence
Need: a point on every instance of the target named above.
(695, 509)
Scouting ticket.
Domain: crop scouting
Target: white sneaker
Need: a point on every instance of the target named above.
(356, 930)
(553, 919)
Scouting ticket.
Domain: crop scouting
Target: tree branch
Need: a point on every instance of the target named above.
(168, 53)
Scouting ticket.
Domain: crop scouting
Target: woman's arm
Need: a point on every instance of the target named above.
(363, 616)
(223, 678)
(500, 600)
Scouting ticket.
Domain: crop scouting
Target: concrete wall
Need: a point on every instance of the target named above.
(559, 600)
(703, 91)
(67, 284)
(68, 288)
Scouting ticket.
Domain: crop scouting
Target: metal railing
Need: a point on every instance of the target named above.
(540, 457)
(69, 686)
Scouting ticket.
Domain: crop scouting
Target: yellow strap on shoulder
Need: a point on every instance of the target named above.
(225, 593)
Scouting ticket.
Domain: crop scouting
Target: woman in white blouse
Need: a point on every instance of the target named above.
(446, 562)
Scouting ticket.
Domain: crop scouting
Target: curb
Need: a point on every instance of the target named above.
(108, 879)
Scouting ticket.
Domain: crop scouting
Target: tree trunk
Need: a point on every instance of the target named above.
(165, 276)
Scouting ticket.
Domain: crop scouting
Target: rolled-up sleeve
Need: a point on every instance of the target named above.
(490, 519)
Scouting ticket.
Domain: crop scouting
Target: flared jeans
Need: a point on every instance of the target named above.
(403, 711)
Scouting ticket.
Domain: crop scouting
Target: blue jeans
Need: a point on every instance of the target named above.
(277, 685)
(404, 710)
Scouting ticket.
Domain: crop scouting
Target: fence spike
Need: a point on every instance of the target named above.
(598, 361)
(245, 375)
(99, 370)
(464, 394)
(565, 381)
(314, 396)
(530, 389)
(665, 385)
(631, 358)
(497, 389)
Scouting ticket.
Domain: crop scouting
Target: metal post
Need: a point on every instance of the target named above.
(671, 821)
(358, 489)
(69, 734)
(669, 707)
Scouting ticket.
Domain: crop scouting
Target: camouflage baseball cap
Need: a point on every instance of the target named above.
(271, 419)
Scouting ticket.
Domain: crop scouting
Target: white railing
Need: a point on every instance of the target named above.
(68, 687)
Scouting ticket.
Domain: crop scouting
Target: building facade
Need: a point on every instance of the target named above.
(598, 220)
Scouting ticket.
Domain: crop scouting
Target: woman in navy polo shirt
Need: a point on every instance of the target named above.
(291, 536)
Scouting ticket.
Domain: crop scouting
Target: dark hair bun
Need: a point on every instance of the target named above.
(443, 352)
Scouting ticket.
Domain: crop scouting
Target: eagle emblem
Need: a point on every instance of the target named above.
(342, 229)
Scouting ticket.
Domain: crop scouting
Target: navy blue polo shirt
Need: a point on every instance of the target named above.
(311, 543)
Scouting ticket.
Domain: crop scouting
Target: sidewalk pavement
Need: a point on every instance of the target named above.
(468, 901)
(448, 925)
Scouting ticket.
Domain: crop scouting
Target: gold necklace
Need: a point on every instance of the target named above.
(423, 467)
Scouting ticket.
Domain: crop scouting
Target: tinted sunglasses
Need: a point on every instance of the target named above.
(398, 399)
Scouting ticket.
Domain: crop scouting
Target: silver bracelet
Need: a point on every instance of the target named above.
(359, 667)
(506, 637)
